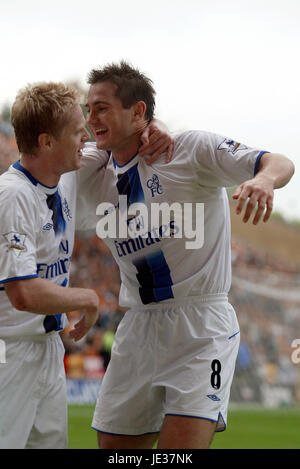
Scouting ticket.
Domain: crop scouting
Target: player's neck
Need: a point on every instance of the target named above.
(39, 170)
(127, 150)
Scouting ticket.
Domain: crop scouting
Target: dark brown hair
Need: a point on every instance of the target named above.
(132, 85)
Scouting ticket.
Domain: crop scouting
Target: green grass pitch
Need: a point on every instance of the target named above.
(247, 429)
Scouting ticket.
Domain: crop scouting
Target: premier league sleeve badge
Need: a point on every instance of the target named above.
(15, 242)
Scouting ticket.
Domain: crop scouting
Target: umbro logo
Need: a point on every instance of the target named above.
(213, 397)
(48, 227)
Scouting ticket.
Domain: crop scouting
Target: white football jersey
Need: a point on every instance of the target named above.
(155, 268)
(29, 245)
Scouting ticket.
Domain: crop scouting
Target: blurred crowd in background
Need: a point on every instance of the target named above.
(265, 294)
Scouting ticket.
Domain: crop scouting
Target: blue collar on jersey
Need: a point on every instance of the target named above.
(122, 165)
(47, 189)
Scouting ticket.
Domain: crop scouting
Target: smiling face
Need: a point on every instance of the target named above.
(113, 127)
(66, 150)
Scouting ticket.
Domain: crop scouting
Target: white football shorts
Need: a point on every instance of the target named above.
(33, 398)
(171, 359)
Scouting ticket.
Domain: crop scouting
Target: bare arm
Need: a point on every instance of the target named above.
(39, 296)
(274, 171)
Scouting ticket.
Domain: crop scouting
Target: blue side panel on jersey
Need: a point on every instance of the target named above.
(60, 218)
(145, 279)
(159, 268)
(52, 323)
(163, 293)
(147, 295)
(153, 271)
(129, 184)
(154, 277)
(123, 185)
(54, 204)
(137, 193)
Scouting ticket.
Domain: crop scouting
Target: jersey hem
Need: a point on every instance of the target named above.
(203, 299)
(38, 337)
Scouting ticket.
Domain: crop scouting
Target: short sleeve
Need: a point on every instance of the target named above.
(89, 180)
(220, 161)
(17, 235)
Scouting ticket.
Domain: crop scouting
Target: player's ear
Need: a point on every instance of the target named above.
(44, 140)
(139, 110)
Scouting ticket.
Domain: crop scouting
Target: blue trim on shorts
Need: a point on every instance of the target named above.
(205, 418)
(124, 434)
(177, 415)
(194, 417)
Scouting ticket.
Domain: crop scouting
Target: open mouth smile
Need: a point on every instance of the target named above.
(100, 131)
